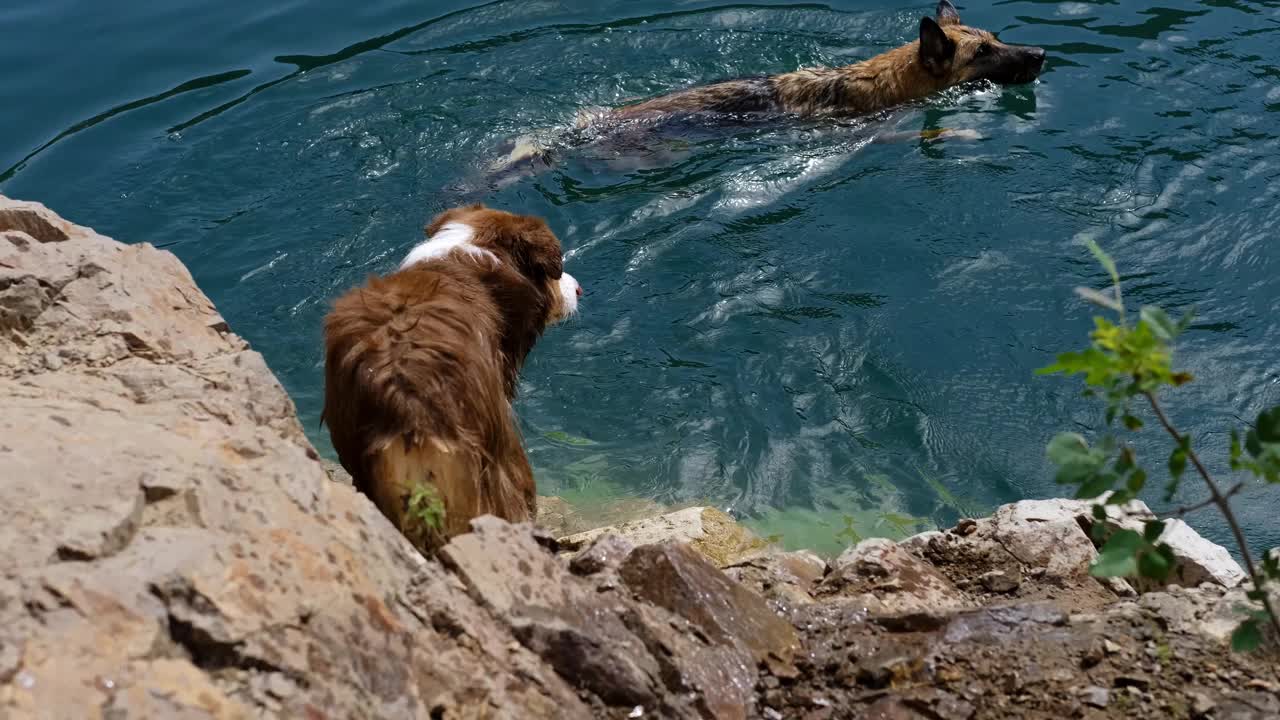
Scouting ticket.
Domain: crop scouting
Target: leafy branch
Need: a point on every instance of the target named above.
(1127, 364)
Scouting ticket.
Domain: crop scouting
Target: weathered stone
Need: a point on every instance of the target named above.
(1044, 534)
(877, 574)
(787, 578)
(1096, 696)
(606, 552)
(671, 575)
(716, 680)
(571, 627)
(993, 625)
(36, 221)
(1198, 560)
(1201, 705)
(1000, 581)
(709, 531)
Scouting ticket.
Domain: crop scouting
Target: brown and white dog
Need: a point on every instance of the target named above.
(421, 367)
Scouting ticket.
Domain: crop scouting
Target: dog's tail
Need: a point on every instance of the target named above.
(409, 417)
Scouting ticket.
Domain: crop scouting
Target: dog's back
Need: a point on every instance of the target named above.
(421, 367)
(415, 403)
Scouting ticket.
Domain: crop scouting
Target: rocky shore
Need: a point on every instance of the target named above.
(175, 548)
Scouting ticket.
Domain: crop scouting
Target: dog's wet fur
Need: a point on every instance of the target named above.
(948, 53)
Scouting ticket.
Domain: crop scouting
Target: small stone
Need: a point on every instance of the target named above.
(1111, 648)
(1137, 681)
(1201, 704)
(605, 552)
(1260, 684)
(1092, 656)
(280, 686)
(998, 581)
(771, 714)
(966, 526)
(1096, 696)
(636, 712)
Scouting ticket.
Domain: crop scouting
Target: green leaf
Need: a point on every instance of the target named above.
(1095, 485)
(1119, 557)
(1253, 443)
(1160, 323)
(1152, 530)
(1268, 425)
(1156, 563)
(1177, 462)
(1271, 563)
(1236, 450)
(1099, 512)
(1184, 322)
(1132, 422)
(1247, 636)
(1119, 497)
(1067, 448)
(1104, 259)
(1137, 480)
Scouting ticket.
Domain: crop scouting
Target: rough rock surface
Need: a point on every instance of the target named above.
(175, 548)
(710, 531)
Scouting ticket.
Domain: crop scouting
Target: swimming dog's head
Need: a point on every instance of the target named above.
(958, 53)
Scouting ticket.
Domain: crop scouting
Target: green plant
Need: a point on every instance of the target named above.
(426, 512)
(1127, 365)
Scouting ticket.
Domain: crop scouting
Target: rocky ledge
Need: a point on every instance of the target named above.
(175, 548)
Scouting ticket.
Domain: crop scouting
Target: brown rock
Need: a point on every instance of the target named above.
(708, 530)
(574, 629)
(675, 577)
(787, 578)
(884, 578)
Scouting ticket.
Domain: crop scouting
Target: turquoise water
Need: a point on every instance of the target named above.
(811, 331)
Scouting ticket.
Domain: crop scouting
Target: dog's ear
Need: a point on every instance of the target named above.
(447, 216)
(531, 245)
(946, 13)
(936, 49)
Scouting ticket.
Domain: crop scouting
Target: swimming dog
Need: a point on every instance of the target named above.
(947, 53)
(421, 367)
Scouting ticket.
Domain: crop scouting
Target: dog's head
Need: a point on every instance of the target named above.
(958, 53)
(525, 244)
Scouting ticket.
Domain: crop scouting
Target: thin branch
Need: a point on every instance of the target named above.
(1211, 501)
(1224, 506)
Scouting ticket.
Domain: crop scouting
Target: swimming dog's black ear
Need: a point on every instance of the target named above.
(936, 49)
(946, 14)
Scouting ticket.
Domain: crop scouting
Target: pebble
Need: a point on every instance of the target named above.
(1201, 704)
(1098, 697)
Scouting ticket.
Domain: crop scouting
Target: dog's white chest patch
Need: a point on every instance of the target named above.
(453, 236)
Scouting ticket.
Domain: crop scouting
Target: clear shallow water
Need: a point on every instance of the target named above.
(815, 332)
